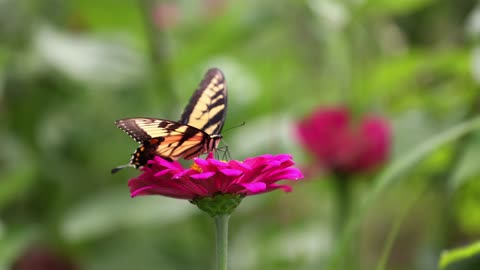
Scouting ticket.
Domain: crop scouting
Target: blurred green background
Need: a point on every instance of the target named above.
(69, 69)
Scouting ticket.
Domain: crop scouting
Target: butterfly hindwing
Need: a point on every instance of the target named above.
(145, 152)
(208, 105)
(165, 138)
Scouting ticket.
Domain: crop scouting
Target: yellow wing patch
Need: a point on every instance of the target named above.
(207, 107)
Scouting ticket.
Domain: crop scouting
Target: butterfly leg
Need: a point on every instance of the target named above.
(225, 154)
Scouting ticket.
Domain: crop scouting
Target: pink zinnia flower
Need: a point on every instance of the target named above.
(209, 177)
(166, 15)
(342, 145)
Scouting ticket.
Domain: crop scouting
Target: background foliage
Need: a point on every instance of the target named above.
(69, 69)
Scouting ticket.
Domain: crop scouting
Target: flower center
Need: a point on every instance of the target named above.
(195, 167)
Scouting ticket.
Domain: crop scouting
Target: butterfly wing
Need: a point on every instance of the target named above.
(207, 107)
(192, 135)
(159, 137)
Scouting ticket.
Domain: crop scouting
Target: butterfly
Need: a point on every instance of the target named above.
(197, 132)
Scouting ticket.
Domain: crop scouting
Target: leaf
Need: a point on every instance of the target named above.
(388, 7)
(106, 212)
(458, 254)
(108, 16)
(467, 203)
(85, 57)
(392, 75)
(15, 240)
(18, 168)
(392, 175)
(468, 167)
(406, 207)
(414, 157)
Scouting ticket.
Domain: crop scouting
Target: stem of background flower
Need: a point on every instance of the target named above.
(341, 206)
(221, 233)
(159, 57)
(342, 203)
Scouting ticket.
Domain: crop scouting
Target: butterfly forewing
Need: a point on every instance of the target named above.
(208, 105)
(142, 128)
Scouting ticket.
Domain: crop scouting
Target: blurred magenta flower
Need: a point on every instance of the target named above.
(342, 145)
(214, 8)
(166, 15)
(209, 177)
(42, 258)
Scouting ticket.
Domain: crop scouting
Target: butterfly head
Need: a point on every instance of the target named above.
(220, 152)
(215, 140)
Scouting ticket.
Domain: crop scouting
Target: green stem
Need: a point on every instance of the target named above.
(407, 206)
(156, 38)
(221, 231)
(342, 204)
(444, 186)
(159, 57)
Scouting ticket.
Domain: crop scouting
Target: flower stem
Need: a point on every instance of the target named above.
(342, 193)
(221, 231)
(342, 205)
(159, 58)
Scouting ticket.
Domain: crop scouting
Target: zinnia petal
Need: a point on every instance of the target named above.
(255, 187)
(231, 172)
(140, 191)
(202, 176)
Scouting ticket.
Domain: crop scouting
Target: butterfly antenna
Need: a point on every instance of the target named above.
(116, 169)
(242, 124)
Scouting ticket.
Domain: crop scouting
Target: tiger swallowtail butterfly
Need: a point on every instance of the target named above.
(197, 132)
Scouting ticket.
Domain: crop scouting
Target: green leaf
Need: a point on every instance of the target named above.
(17, 169)
(385, 7)
(406, 207)
(468, 168)
(454, 255)
(414, 157)
(109, 16)
(14, 241)
(106, 212)
(393, 173)
(393, 75)
(467, 203)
